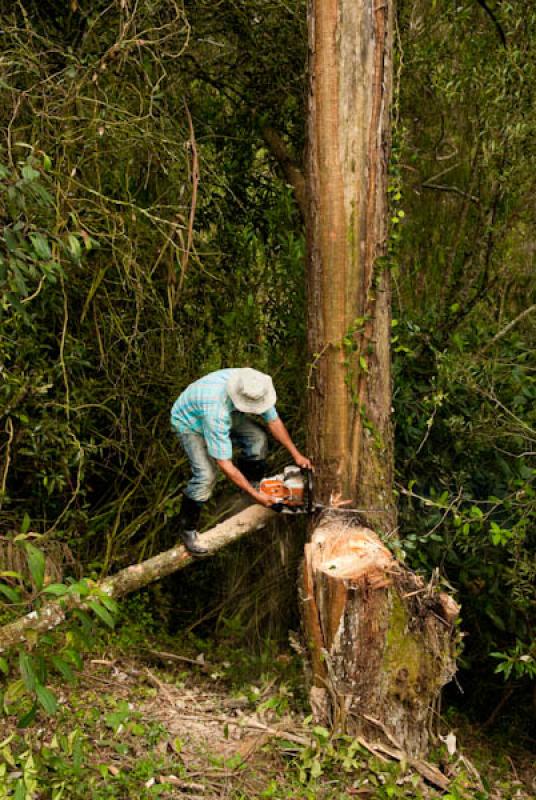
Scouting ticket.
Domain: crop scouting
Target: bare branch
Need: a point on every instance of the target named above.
(509, 327)
(136, 576)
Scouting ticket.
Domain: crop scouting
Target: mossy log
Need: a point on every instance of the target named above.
(381, 642)
(135, 577)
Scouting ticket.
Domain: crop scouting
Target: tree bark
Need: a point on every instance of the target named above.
(381, 644)
(136, 576)
(350, 431)
(381, 641)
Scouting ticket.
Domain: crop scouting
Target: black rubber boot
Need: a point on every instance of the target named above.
(254, 469)
(188, 522)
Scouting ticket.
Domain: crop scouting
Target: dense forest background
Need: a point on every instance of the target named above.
(151, 232)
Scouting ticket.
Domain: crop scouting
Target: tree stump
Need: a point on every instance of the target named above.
(381, 642)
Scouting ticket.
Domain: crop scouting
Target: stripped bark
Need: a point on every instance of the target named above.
(381, 647)
(135, 577)
(350, 431)
(382, 642)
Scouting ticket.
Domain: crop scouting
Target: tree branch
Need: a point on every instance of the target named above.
(135, 577)
(454, 189)
(291, 170)
(277, 146)
(509, 327)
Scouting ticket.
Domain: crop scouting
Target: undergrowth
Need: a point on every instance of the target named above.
(127, 729)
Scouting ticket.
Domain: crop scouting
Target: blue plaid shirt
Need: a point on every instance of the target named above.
(205, 407)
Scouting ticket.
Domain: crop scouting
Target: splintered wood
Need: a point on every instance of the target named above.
(381, 641)
(352, 553)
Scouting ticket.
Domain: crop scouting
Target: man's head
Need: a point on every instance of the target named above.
(251, 391)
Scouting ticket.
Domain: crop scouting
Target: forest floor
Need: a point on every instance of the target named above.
(202, 720)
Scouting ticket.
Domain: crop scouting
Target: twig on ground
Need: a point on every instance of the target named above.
(428, 771)
(165, 656)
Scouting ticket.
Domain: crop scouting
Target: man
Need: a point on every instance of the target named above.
(209, 417)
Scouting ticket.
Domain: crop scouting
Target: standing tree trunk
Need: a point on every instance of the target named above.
(349, 291)
(381, 643)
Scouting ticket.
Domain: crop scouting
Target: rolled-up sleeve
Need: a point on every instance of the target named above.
(270, 415)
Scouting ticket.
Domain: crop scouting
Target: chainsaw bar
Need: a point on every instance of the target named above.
(323, 507)
(297, 495)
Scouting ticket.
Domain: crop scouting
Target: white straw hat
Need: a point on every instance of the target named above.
(251, 391)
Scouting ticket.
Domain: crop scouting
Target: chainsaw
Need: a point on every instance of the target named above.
(293, 493)
(292, 490)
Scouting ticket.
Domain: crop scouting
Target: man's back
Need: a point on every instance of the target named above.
(203, 403)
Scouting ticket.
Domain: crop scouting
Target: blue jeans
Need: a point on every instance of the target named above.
(245, 433)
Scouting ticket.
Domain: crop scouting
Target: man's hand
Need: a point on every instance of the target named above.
(303, 461)
(264, 499)
(280, 433)
(234, 474)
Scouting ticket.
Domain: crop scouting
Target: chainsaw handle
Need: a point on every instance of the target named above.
(277, 507)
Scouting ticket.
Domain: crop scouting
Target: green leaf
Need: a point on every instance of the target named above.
(20, 790)
(15, 690)
(74, 246)
(45, 196)
(13, 595)
(86, 624)
(36, 564)
(27, 718)
(321, 733)
(25, 526)
(57, 589)
(109, 602)
(102, 613)
(80, 588)
(74, 657)
(116, 718)
(27, 670)
(138, 730)
(4, 666)
(41, 246)
(11, 239)
(495, 619)
(29, 173)
(64, 669)
(46, 699)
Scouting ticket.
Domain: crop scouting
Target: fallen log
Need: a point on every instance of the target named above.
(381, 642)
(134, 577)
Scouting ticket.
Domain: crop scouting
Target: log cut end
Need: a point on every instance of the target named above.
(381, 640)
(352, 553)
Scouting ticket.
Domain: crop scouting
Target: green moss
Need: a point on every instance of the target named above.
(406, 660)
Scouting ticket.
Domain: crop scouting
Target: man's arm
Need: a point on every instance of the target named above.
(234, 474)
(280, 433)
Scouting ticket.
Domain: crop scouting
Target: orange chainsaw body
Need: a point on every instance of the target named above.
(287, 488)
